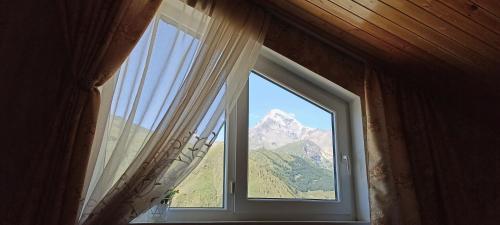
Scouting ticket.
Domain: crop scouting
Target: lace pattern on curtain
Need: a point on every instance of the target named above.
(169, 101)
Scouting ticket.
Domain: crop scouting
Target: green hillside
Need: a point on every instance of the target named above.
(265, 171)
(273, 174)
(286, 172)
(297, 149)
(276, 174)
(204, 186)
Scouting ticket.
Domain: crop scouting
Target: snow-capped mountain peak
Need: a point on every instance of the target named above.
(279, 128)
(279, 117)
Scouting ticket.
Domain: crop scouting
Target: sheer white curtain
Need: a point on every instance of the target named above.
(163, 109)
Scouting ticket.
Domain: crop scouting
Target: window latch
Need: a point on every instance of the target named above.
(345, 157)
(231, 187)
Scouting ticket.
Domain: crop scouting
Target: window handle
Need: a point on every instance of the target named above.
(231, 187)
(345, 157)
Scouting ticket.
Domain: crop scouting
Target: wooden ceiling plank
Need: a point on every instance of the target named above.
(361, 24)
(413, 38)
(418, 21)
(461, 22)
(311, 17)
(492, 6)
(388, 39)
(475, 13)
(313, 21)
(343, 33)
(344, 30)
(339, 14)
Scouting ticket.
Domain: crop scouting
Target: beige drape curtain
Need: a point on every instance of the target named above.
(168, 103)
(96, 56)
(392, 192)
(54, 56)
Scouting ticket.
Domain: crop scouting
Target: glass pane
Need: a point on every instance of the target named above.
(204, 186)
(290, 149)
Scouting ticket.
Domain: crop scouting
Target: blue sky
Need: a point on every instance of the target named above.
(160, 77)
(265, 96)
(172, 53)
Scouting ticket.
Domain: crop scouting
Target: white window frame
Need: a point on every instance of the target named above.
(296, 209)
(352, 204)
(351, 207)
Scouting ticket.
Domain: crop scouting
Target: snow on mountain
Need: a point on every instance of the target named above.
(278, 128)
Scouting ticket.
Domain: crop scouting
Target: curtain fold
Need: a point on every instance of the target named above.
(68, 48)
(392, 191)
(452, 135)
(437, 171)
(169, 101)
(99, 37)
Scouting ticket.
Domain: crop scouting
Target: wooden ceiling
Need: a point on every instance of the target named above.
(457, 34)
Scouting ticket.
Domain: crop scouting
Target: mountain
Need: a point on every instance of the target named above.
(278, 129)
(289, 160)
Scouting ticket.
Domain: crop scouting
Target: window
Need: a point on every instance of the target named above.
(290, 145)
(291, 150)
